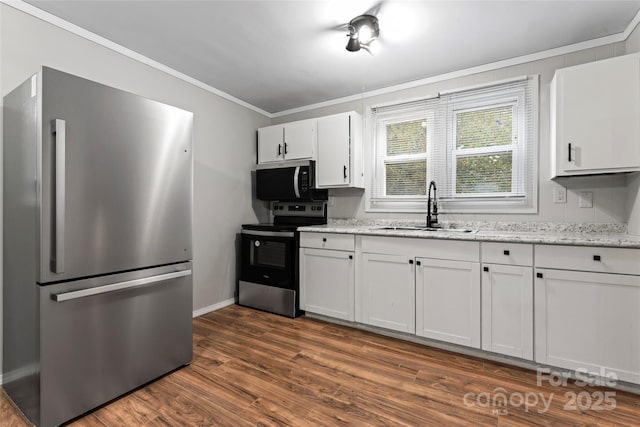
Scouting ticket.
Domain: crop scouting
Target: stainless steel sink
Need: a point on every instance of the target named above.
(401, 228)
(451, 230)
(438, 230)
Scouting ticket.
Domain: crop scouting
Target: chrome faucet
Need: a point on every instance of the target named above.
(432, 215)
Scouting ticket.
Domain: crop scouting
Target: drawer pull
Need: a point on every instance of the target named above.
(539, 275)
(410, 261)
(506, 252)
(324, 239)
(485, 268)
(596, 258)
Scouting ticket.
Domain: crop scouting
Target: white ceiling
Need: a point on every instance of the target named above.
(282, 55)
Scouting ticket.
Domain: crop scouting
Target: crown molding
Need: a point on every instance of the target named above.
(563, 50)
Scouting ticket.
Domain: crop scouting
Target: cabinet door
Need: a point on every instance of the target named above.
(299, 139)
(327, 283)
(448, 301)
(507, 310)
(388, 291)
(598, 105)
(333, 168)
(588, 321)
(270, 144)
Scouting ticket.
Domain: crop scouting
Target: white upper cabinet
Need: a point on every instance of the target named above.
(340, 151)
(299, 140)
(289, 141)
(270, 140)
(595, 117)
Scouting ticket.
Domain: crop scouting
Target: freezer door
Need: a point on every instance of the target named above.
(116, 180)
(102, 337)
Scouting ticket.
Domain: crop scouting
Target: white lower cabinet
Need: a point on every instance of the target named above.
(448, 301)
(327, 283)
(579, 305)
(388, 291)
(588, 321)
(507, 310)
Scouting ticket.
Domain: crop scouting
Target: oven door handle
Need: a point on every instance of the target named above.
(296, 182)
(269, 233)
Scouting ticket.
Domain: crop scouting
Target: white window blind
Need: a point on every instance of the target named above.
(478, 144)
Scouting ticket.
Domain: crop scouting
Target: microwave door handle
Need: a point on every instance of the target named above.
(296, 183)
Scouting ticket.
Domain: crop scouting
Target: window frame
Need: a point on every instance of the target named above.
(379, 200)
(516, 149)
(441, 153)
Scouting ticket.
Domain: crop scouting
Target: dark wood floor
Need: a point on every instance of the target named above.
(252, 368)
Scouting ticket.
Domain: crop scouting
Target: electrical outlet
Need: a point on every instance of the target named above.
(559, 195)
(585, 199)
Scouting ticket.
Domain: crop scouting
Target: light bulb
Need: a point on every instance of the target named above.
(364, 34)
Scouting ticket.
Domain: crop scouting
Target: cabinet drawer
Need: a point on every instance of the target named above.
(425, 248)
(340, 242)
(507, 253)
(597, 259)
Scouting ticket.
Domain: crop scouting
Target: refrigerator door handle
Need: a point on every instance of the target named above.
(60, 135)
(66, 296)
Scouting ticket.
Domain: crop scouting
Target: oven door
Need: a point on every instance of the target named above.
(268, 258)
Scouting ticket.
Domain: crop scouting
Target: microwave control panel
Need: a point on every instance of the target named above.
(308, 209)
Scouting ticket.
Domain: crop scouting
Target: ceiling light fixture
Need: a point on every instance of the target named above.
(363, 33)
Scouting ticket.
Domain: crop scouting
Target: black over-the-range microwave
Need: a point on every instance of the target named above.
(288, 182)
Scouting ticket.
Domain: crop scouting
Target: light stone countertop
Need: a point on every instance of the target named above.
(604, 235)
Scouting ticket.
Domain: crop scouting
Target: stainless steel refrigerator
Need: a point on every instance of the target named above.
(97, 244)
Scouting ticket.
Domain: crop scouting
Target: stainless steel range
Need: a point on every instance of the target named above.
(269, 257)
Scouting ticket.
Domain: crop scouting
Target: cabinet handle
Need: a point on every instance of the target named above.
(324, 239)
(350, 256)
(485, 268)
(569, 151)
(279, 149)
(344, 171)
(285, 148)
(410, 261)
(506, 252)
(597, 258)
(418, 263)
(539, 275)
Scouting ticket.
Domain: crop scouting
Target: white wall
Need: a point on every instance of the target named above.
(224, 137)
(633, 180)
(609, 192)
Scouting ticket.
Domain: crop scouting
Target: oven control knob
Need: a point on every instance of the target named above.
(257, 243)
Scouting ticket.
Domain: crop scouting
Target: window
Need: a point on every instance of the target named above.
(402, 160)
(404, 156)
(478, 145)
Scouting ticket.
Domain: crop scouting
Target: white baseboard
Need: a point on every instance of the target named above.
(214, 307)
